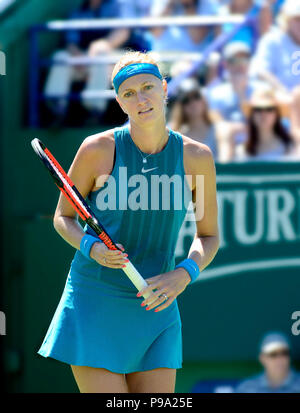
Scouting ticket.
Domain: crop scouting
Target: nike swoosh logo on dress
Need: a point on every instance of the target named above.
(148, 170)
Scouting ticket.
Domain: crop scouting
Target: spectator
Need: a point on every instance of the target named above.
(140, 38)
(295, 121)
(283, 41)
(190, 115)
(278, 377)
(211, 77)
(275, 6)
(267, 139)
(80, 43)
(259, 10)
(237, 86)
(175, 38)
(225, 99)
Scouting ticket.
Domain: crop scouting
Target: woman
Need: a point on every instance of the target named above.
(261, 13)
(115, 340)
(175, 38)
(190, 115)
(267, 139)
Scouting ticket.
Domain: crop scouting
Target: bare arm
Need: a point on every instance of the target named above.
(84, 172)
(113, 41)
(165, 11)
(199, 160)
(206, 240)
(265, 19)
(295, 118)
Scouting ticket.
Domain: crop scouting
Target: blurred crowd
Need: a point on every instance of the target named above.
(244, 102)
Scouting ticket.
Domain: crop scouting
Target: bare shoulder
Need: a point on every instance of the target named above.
(197, 156)
(96, 154)
(98, 143)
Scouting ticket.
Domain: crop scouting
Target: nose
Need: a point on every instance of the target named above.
(141, 97)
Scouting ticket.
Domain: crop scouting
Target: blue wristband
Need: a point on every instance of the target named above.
(191, 267)
(86, 244)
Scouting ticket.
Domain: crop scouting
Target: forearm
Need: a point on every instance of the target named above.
(118, 37)
(203, 250)
(69, 229)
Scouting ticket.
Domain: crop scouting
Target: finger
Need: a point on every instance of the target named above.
(146, 290)
(165, 305)
(152, 280)
(153, 297)
(120, 246)
(111, 265)
(113, 252)
(154, 283)
(117, 259)
(159, 300)
(120, 264)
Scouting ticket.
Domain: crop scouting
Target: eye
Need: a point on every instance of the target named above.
(128, 94)
(148, 87)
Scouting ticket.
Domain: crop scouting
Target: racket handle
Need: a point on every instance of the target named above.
(135, 277)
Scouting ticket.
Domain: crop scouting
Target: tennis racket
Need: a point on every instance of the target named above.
(66, 186)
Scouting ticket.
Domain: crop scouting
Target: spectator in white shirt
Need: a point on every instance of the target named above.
(278, 54)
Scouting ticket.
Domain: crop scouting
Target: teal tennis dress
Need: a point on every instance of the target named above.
(99, 321)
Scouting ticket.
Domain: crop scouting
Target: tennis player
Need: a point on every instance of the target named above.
(113, 338)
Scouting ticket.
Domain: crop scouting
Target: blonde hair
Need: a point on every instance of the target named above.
(133, 57)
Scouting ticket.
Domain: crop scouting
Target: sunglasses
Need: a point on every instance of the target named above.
(276, 354)
(264, 109)
(237, 60)
(190, 98)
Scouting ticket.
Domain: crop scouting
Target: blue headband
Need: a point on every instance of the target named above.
(135, 69)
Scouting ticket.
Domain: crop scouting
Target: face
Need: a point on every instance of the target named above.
(188, 6)
(238, 64)
(142, 97)
(265, 117)
(193, 105)
(240, 6)
(95, 3)
(294, 28)
(276, 364)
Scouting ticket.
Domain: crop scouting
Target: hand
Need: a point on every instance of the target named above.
(171, 283)
(108, 258)
(99, 46)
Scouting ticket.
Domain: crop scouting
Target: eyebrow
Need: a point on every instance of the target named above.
(147, 81)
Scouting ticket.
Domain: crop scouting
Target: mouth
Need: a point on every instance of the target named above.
(145, 111)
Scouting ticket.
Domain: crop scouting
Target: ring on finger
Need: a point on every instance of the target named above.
(165, 296)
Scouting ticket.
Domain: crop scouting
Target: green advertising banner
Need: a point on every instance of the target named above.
(253, 284)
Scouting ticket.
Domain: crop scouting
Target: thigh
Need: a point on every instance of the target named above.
(98, 380)
(161, 380)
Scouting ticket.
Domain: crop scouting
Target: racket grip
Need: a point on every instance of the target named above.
(135, 277)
